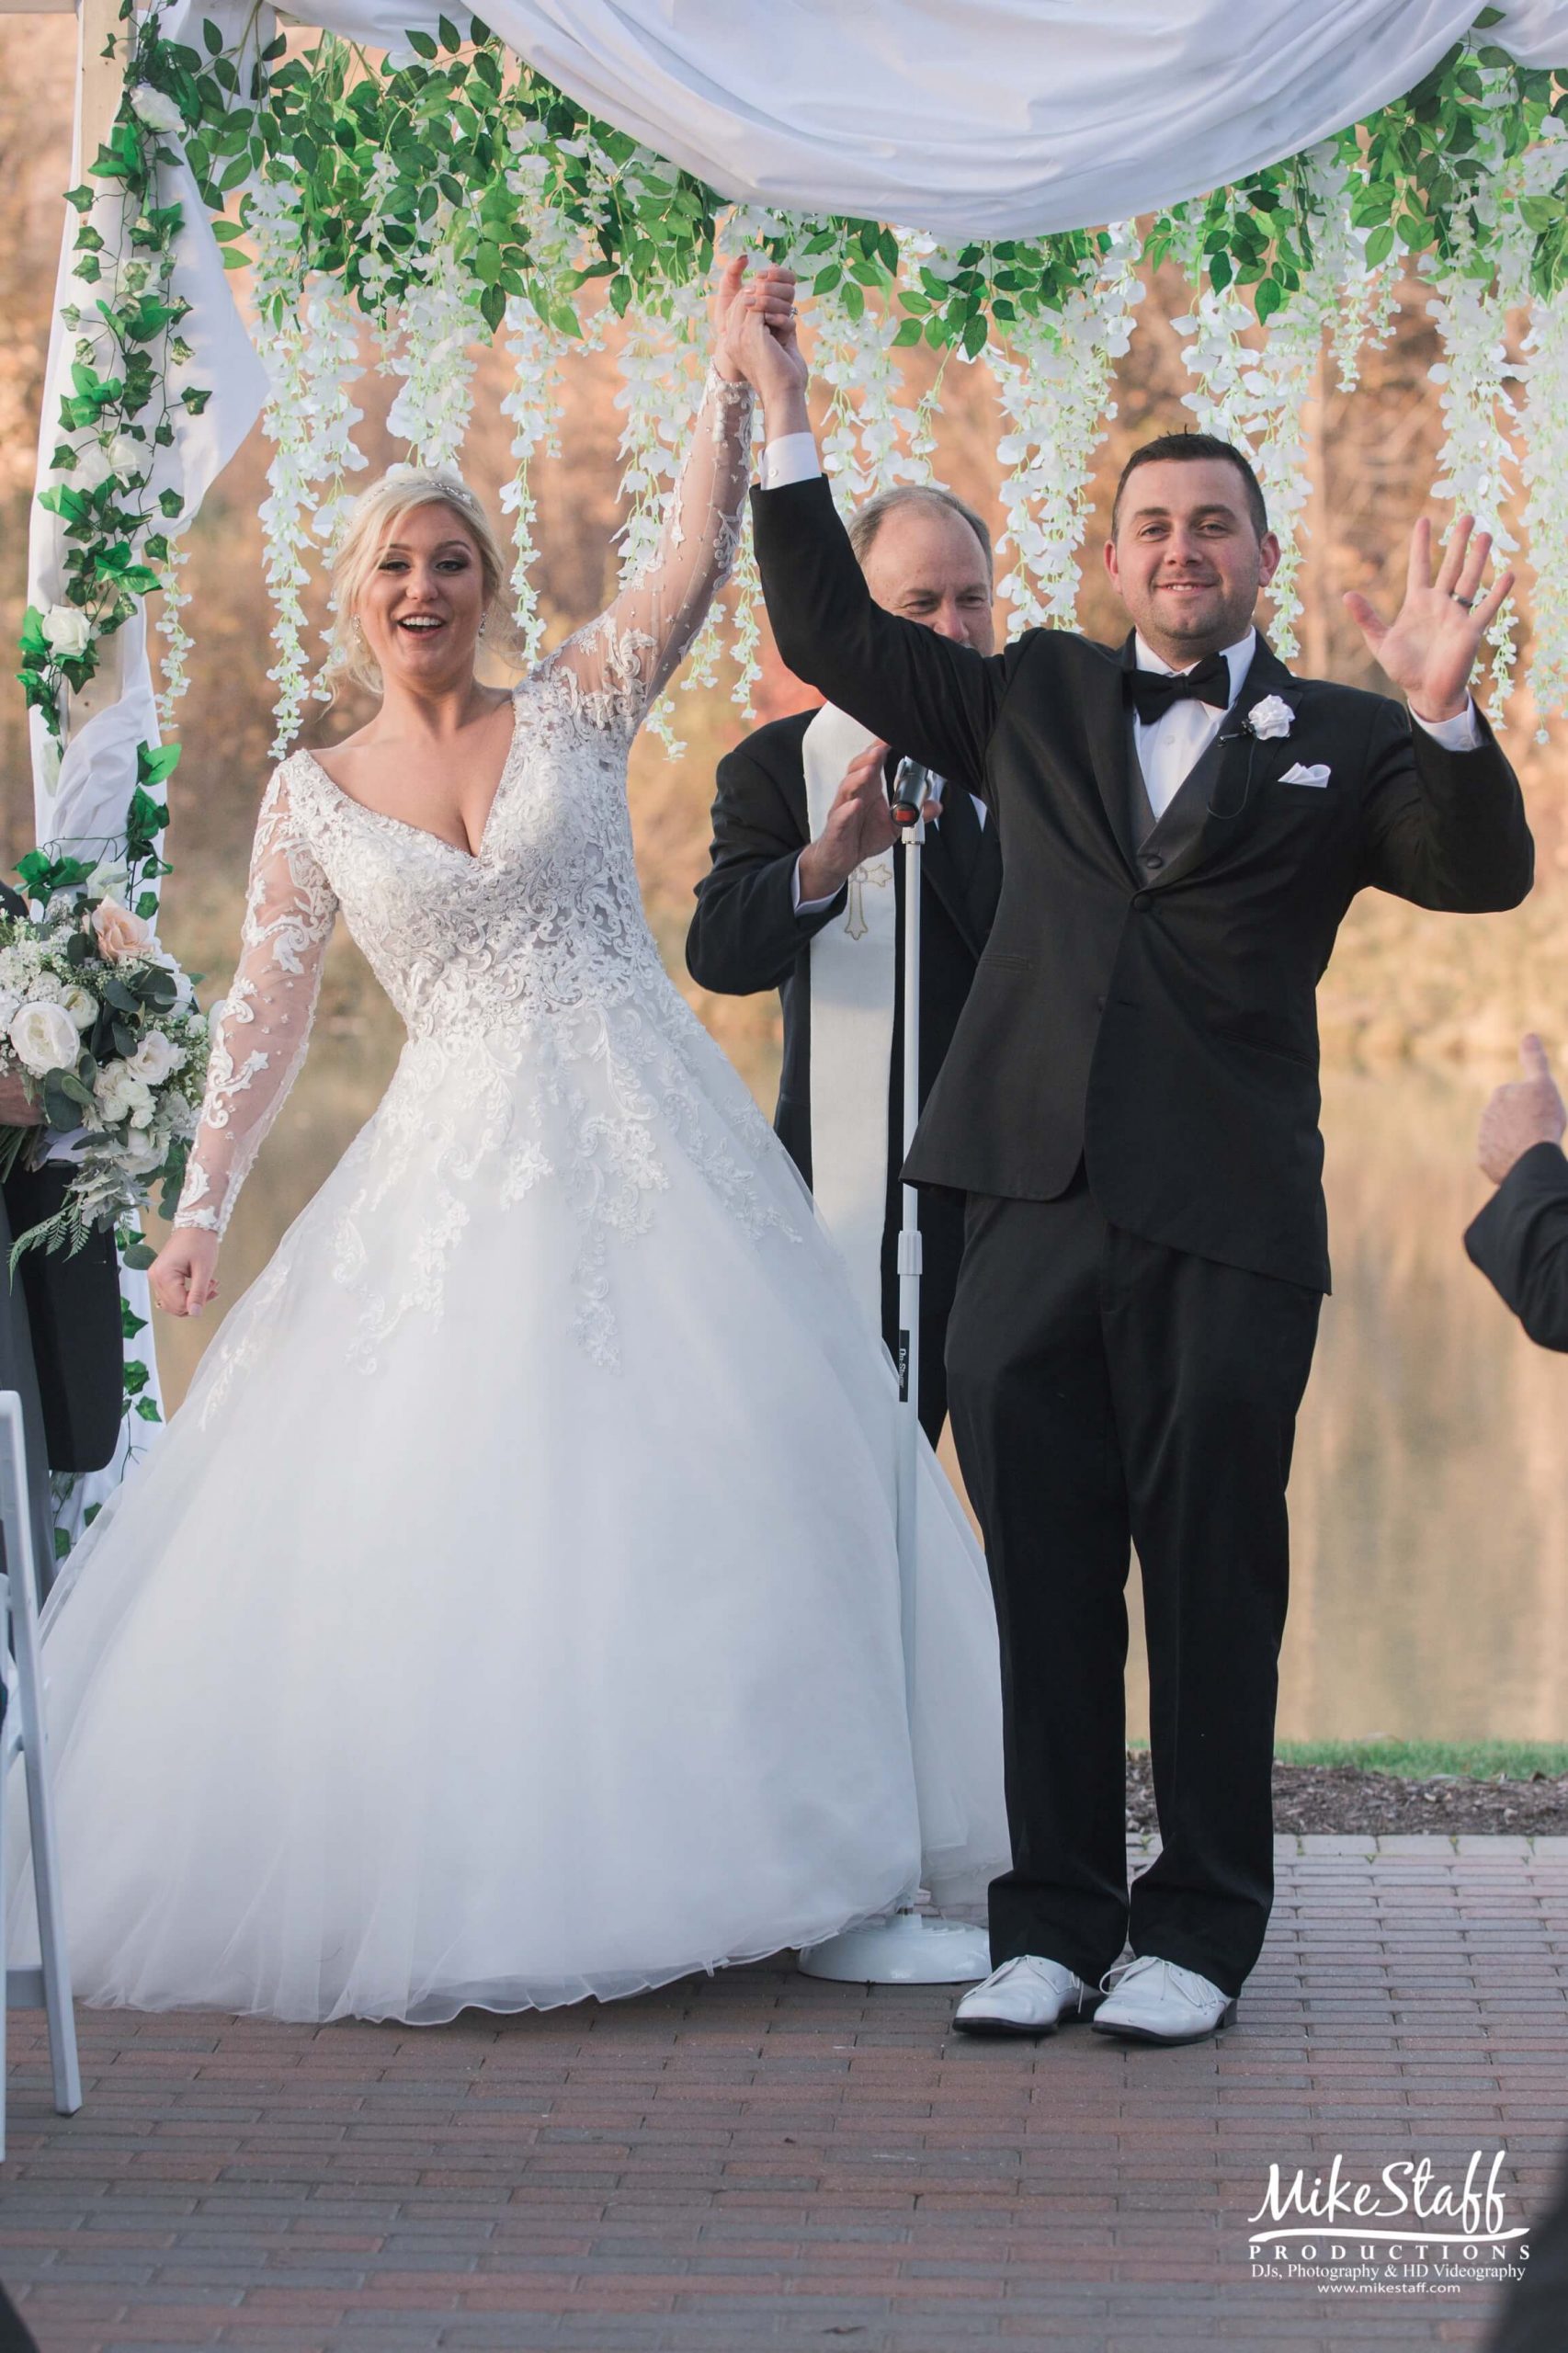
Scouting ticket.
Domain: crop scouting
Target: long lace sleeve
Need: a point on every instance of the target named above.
(260, 1038)
(619, 662)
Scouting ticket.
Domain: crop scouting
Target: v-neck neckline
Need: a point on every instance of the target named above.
(458, 849)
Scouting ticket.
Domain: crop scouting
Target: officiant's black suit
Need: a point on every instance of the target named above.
(61, 1345)
(746, 937)
(1130, 1106)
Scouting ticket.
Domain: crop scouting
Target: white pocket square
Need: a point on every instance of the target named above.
(1299, 775)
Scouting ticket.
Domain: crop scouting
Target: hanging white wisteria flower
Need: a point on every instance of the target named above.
(332, 367)
(433, 351)
(1053, 380)
(1470, 301)
(534, 350)
(865, 438)
(1545, 470)
(171, 630)
(279, 289)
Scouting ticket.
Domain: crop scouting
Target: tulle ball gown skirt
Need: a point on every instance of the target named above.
(510, 1614)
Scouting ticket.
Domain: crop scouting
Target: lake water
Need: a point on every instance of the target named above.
(1429, 1501)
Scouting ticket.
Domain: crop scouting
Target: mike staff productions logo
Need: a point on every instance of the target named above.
(1410, 2232)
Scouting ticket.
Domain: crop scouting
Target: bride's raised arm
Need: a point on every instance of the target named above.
(620, 661)
(260, 1039)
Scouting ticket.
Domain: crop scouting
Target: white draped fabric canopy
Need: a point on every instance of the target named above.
(982, 118)
(977, 117)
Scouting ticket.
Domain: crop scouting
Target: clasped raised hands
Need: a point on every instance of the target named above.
(1431, 645)
(755, 342)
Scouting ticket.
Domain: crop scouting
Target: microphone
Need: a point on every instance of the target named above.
(911, 791)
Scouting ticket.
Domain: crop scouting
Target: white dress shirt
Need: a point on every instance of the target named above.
(1167, 748)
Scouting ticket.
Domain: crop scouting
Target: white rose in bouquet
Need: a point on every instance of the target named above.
(147, 1159)
(121, 1095)
(156, 1058)
(43, 1038)
(81, 1005)
(66, 631)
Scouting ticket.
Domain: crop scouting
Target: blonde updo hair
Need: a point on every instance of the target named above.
(372, 520)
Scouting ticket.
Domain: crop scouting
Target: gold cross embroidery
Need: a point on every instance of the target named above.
(879, 877)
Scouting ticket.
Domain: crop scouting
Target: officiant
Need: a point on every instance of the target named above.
(805, 894)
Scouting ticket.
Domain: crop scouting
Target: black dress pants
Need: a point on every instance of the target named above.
(1109, 1391)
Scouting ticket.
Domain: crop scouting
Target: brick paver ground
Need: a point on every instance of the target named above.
(759, 2159)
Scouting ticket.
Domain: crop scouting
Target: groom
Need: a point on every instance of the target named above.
(1130, 1108)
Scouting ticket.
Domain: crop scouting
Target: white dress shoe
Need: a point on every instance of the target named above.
(1028, 1995)
(1155, 2001)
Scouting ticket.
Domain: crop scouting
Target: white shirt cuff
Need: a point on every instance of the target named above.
(1461, 734)
(805, 906)
(792, 458)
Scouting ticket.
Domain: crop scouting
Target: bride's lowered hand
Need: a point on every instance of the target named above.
(180, 1276)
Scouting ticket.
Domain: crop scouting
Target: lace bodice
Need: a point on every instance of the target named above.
(544, 919)
(544, 1039)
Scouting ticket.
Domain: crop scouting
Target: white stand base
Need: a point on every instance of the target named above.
(906, 1949)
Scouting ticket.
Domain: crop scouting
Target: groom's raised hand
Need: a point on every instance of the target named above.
(760, 344)
(1430, 646)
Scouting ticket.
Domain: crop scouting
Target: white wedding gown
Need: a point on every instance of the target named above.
(510, 1614)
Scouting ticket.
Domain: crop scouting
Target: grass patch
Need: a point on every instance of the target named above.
(1477, 1760)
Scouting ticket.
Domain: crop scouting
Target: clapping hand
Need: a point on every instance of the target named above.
(1526, 1111)
(1430, 646)
(860, 825)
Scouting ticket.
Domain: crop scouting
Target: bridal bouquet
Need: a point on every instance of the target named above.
(103, 1028)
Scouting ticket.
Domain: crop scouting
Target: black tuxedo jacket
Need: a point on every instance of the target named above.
(1148, 1010)
(1520, 1243)
(745, 935)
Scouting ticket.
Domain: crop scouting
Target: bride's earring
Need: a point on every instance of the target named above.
(483, 624)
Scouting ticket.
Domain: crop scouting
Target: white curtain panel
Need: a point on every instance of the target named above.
(969, 117)
(977, 117)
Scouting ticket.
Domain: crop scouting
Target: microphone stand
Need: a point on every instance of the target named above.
(909, 1947)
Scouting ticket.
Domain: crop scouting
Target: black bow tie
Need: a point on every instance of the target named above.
(1153, 691)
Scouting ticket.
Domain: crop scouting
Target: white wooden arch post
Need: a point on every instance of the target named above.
(99, 80)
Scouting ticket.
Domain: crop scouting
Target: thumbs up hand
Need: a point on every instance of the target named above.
(1528, 1110)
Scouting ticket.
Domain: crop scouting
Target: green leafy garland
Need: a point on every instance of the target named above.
(372, 148)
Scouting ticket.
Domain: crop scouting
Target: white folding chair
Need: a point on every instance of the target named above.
(22, 1732)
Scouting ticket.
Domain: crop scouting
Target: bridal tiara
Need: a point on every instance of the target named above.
(442, 478)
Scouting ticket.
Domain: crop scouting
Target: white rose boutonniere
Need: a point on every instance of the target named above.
(1270, 719)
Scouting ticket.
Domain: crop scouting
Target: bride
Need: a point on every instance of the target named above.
(511, 1612)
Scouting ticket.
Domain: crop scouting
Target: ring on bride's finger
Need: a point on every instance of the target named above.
(1466, 601)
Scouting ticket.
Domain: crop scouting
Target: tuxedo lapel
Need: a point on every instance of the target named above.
(949, 859)
(1109, 733)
